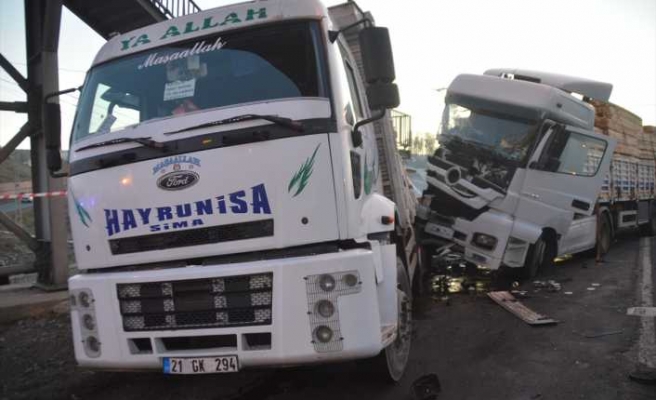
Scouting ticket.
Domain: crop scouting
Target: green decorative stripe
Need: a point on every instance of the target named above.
(82, 212)
(302, 176)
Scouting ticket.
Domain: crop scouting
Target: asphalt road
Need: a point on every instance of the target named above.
(477, 349)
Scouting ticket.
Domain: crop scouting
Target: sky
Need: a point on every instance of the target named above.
(433, 41)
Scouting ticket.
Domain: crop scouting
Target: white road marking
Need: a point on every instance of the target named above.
(647, 341)
(642, 311)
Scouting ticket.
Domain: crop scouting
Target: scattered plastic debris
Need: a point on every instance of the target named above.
(591, 288)
(568, 293)
(522, 294)
(426, 387)
(595, 284)
(550, 285)
(601, 334)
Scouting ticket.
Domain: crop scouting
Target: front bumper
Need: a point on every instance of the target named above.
(461, 232)
(290, 329)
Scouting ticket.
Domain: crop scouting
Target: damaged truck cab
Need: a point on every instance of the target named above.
(224, 197)
(518, 162)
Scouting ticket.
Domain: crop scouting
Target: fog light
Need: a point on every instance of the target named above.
(325, 308)
(88, 322)
(350, 280)
(327, 283)
(85, 299)
(93, 344)
(484, 241)
(323, 334)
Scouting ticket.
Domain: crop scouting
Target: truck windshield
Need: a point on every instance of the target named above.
(261, 64)
(488, 144)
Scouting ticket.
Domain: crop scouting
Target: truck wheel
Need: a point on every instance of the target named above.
(540, 255)
(391, 362)
(649, 229)
(424, 255)
(605, 236)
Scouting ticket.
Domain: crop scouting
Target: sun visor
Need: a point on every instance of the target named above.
(586, 87)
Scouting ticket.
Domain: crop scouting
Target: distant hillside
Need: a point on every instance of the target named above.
(16, 167)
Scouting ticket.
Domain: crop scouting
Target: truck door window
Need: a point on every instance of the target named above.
(113, 110)
(572, 153)
(352, 81)
(347, 93)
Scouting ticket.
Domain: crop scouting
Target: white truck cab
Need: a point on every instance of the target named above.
(518, 161)
(224, 197)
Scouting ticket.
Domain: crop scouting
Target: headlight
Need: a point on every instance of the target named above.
(93, 344)
(327, 283)
(85, 300)
(88, 322)
(484, 241)
(325, 308)
(323, 333)
(350, 280)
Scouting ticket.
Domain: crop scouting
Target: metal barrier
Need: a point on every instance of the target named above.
(175, 8)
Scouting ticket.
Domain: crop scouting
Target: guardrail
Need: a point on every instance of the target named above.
(175, 8)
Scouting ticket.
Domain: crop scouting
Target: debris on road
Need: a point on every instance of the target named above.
(591, 288)
(644, 374)
(522, 294)
(426, 387)
(642, 311)
(510, 303)
(551, 285)
(601, 334)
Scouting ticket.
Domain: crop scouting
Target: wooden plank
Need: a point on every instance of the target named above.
(510, 303)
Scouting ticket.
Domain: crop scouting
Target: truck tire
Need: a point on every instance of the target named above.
(649, 229)
(605, 236)
(540, 256)
(390, 363)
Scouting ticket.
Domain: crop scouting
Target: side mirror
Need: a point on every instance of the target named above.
(378, 64)
(377, 59)
(381, 96)
(52, 131)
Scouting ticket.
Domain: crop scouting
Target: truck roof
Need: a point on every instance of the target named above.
(233, 16)
(538, 99)
(587, 87)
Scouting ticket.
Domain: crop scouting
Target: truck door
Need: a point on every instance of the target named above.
(564, 177)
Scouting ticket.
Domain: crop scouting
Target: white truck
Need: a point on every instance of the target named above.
(224, 197)
(516, 178)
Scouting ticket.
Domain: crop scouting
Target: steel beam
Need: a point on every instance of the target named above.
(13, 72)
(26, 130)
(15, 106)
(42, 25)
(19, 231)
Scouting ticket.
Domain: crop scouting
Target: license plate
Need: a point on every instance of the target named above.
(438, 230)
(201, 365)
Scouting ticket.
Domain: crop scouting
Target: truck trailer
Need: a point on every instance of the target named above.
(516, 179)
(226, 195)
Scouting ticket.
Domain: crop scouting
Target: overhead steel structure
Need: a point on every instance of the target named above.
(42, 28)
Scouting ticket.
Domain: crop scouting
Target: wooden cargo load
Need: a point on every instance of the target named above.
(616, 122)
(633, 169)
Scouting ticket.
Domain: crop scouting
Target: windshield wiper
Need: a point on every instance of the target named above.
(145, 141)
(285, 122)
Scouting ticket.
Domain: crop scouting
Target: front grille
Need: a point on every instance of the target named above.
(193, 237)
(242, 300)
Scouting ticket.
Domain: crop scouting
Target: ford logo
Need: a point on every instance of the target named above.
(178, 180)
